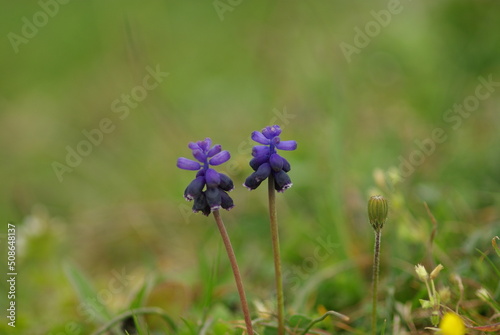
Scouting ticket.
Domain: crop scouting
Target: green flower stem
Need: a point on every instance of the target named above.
(429, 291)
(236, 271)
(435, 301)
(376, 265)
(277, 258)
(435, 294)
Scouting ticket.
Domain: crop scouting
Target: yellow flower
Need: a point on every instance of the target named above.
(452, 324)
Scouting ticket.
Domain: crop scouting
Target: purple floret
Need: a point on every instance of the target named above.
(208, 189)
(266, 160)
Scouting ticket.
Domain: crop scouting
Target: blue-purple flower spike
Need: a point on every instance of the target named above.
(209, 188)
(266, 159)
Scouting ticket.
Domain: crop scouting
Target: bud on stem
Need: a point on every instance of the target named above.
(377, 212)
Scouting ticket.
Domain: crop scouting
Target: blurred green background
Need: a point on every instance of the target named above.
(235, 67)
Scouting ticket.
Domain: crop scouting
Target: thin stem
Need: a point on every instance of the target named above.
(376, 265)
(429, 291)
(236, 271)
(277, 258)
(435, 302)
(321, 318)
(434, 293)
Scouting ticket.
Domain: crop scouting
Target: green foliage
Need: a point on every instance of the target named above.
(86, 292)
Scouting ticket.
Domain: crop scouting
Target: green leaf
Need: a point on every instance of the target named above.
(299, 321)
(425, 303)
(382, 331)
(190, 325)
(133, 313)
(141, 295)
(270, 330)
(490, 262)
(89, 300)
(221, 328)
(495, 245)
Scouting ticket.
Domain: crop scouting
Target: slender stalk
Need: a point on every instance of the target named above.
(277, 258)
(236, 271)
(435, 294)
(321, 318)
(435, 304)
(376, 265)
(429, 291)
(377, 213)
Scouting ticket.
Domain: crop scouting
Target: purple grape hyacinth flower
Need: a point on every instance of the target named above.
(209, 188)
(266, 160)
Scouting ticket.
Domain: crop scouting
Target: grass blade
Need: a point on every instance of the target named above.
(89, 301)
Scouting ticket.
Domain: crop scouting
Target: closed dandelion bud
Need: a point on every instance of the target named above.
(436, 271)
(377, 212)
